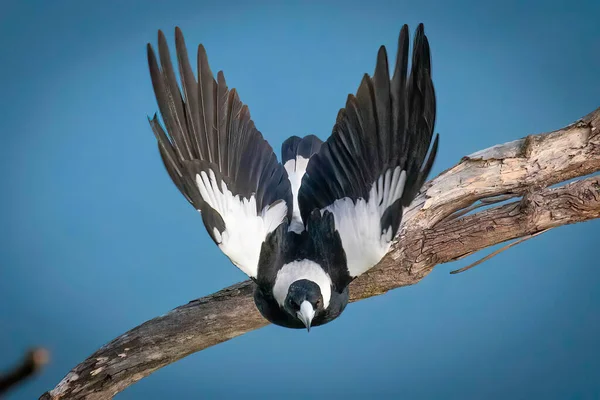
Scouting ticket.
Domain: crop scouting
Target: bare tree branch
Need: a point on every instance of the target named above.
(33, 361)
(435, 231)
(500, 250)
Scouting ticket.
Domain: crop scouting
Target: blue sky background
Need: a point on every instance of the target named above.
(95, 238)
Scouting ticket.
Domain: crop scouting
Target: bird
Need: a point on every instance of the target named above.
(305, 227)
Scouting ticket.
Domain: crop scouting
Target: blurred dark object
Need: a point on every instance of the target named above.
(33, 361)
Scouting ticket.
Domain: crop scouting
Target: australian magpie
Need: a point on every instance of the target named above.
(304, 228)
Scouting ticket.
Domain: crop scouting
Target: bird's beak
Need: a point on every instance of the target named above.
(306, 313)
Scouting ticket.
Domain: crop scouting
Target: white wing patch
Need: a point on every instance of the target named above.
(297, 270)
(245, 229)
(359, 224)
(295, 169)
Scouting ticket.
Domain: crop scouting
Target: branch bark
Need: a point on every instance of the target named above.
(435, 230)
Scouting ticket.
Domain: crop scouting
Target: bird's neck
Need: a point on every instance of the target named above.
(298, 270)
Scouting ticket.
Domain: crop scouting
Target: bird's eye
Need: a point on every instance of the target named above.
(318, 303)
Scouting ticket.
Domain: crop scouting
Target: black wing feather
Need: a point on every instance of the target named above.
(189, 85)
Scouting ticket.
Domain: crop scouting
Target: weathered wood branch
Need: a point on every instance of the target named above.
(433, 232)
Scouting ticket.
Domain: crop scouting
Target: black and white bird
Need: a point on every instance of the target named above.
(304, 228)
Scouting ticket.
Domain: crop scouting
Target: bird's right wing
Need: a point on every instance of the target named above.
(216, 157)
(374, 163)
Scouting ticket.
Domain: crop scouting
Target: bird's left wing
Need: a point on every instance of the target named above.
(216, 157)
(374, 162)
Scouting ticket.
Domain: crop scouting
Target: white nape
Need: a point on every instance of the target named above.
(297, 270)
(296, 167)
(245, 229)
(359, 223)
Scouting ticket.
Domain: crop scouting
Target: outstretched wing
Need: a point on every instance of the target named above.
(372, 164)
(216, 157)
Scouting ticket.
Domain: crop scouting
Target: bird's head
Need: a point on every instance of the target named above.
(303, 301)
